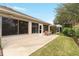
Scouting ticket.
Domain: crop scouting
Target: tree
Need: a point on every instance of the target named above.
(67, 14)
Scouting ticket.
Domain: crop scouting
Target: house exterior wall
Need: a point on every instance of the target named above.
(10, 14)
(10, 38)
(29, 26)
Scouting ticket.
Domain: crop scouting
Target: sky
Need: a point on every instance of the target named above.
(43, 11)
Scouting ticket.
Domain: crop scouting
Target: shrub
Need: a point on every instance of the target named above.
(65, 31)
(77, 32)
(71, 32)
(76, 36)
(68, 32)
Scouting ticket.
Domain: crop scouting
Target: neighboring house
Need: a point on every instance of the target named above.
(14, 23)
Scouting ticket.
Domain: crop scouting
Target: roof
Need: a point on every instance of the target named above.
(7, 10)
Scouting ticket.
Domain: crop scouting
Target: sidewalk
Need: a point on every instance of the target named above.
(26, 45)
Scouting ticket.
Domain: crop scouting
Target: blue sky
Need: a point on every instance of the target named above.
(42, 11)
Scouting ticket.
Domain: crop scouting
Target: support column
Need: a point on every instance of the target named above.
(29, 27)
(49, 28)
(1, 50)
(0, 26)
(42, 28)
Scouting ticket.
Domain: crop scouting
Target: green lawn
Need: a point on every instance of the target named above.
(61, 46)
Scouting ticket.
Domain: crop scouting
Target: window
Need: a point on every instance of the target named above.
(34, 27)
(40, 28)
(23, 27)
(45, 27)
(13, 27)
(9, 26)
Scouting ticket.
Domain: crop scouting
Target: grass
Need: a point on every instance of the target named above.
(61, 46)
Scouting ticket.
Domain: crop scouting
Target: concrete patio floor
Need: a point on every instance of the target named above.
(24, 45)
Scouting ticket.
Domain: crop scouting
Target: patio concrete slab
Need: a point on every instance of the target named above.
(24, 45)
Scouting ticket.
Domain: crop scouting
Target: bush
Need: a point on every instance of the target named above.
(71, 32)
(65, 31)
(68, 32)
(77, 32)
